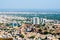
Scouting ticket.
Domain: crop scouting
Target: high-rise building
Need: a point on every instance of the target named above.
(36, 20)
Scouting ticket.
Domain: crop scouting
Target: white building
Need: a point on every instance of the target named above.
(43, 20)
(36, 20)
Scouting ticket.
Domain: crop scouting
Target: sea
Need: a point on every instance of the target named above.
(30, 15)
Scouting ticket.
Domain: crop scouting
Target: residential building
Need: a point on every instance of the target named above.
(36, 20)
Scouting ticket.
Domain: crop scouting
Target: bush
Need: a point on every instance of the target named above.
(32, 37)
(1, 24)
(7, 25)
(6, 38)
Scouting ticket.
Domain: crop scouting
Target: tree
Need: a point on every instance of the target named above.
(46, 32)
(22, 35)
(40, 30)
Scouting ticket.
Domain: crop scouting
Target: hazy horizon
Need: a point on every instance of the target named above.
(30, 5)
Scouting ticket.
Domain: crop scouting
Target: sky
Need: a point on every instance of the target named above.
(29, 4)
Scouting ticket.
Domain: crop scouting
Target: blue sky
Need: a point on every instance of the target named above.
(29, 4)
